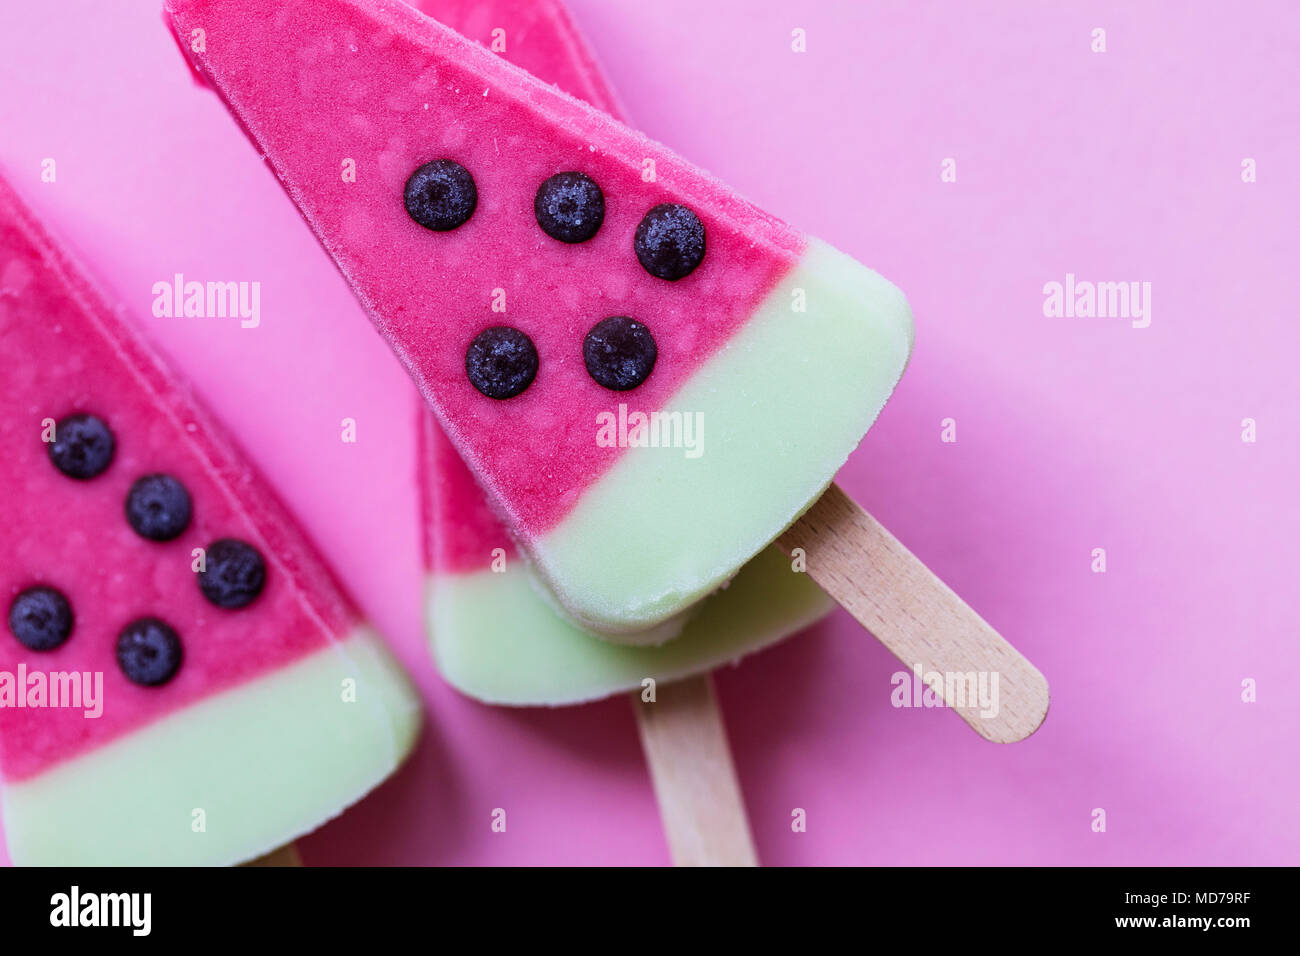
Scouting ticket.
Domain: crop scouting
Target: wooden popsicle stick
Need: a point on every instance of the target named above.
(287, 855)
(694, 778)
(914, 614)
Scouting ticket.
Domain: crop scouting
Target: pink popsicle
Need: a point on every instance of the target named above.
(778, 349)
(245, 721)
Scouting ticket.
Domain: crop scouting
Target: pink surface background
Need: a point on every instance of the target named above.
(1073, 433)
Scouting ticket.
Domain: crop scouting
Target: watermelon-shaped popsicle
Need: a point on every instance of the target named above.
(181, 679)
(492, 632)
(650, 376)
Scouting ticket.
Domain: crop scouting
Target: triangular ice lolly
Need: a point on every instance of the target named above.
(196, 687)
(546, 323)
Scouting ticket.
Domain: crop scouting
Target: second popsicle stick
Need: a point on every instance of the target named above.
(694, 778)
(918, 617)
(287, 855)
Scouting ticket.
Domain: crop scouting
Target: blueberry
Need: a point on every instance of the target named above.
(501, 362)
(83, 446)
(158, 507)
(670, 242)
(40, 618)
(149, 652)
(441, 195)
(570, 207)
(234, 573)
(620, 353)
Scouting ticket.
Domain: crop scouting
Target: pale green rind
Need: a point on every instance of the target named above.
(266, 762)
(783, 403)
(658, 634)
(496, 639)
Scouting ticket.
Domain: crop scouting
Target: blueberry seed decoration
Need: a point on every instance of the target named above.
(440, 195)
(83, 446)
(158, 507)
(501, 362)
(149, 652)
(619, 352)
(41, 618)
(570, 207)
(234, 573)
(670, 242)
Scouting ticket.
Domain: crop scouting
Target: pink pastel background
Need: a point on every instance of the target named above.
(1072, 433)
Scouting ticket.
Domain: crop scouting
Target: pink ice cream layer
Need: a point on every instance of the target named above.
(461, 531)
(315, 83)
(64, 351)
(535, 35)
